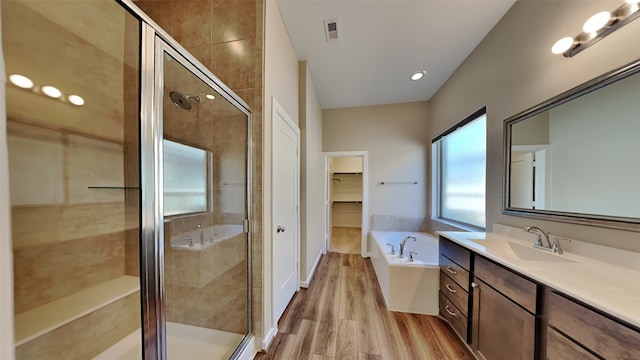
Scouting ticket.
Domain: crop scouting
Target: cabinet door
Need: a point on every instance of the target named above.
(501, 329)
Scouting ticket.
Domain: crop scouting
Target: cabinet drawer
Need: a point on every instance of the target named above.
(455, 252)
(561, 348)
(455, 272)
(455, 293)
(512, 285)
(454, 316)
(602, 335)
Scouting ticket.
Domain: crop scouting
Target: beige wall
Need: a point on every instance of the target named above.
(397, 139)
(513, 69)
(311, 175)
(281, 82)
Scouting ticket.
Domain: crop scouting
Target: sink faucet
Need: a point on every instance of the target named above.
(536, 230)
(201, 234)
(404, 241)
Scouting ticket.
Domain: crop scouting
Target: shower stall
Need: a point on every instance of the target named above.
(129, 166)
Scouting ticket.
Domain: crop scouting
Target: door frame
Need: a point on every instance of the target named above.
(278, 113)
(364, 252)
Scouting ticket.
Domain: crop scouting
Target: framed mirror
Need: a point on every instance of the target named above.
(576, 157)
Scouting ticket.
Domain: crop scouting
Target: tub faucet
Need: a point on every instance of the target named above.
(404, 241)
(201, 234)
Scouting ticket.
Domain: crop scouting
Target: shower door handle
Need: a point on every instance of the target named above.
(280, 229)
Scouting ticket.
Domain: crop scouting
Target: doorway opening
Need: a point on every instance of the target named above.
(346, 202)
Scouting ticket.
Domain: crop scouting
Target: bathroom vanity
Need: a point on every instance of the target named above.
(508, 300)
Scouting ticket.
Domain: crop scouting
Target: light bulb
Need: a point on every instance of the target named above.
(210, 96)
(419, 75)
(51, 91)
(21, 81)
(562, 45)
(76, 100)
(597, 22)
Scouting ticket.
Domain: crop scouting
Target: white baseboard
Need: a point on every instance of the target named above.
(249, 351)
(269, 338)
(305, 284)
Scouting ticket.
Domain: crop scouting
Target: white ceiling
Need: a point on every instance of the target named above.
(383, 42)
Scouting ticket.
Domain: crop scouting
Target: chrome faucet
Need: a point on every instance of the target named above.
(201, 234)
(404, 241)
(536, 230)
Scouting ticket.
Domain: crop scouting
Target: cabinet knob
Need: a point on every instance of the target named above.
(474, 285)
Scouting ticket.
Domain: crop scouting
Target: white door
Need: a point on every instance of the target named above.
(285, 218)
(522, 176)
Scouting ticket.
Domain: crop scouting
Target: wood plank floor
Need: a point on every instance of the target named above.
(342, 315)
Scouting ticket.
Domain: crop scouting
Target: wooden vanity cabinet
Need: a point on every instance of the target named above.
(504, 313)
(576, 331)
(455, 266)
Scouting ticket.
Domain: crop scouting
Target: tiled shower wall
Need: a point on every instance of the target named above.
(227, 37)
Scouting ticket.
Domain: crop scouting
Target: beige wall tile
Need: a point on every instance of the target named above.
(221, 304)
(87, 336)
(48, 272)
(234, 63)
(192, 23)
(233, 20)
(57, 223)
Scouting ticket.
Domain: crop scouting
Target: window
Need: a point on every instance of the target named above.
(459, 158)
(185, 179)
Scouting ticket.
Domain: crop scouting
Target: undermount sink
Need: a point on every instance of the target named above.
(509, 249)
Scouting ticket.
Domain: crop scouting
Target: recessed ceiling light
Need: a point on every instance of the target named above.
(419, 75)
(210, 96)
(562, 45)
(597, 22)
(51, 91)
(21, 81)
(76, 100)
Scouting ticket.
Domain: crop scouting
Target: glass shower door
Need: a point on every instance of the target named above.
(205, 212)
(73, 143)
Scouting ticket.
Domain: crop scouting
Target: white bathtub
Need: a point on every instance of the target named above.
(210, 235)
(407, 286)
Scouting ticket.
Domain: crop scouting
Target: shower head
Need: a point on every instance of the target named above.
(183, 101)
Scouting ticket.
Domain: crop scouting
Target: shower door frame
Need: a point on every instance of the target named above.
(155, 42)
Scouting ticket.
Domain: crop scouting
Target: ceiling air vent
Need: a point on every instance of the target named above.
(331, 29)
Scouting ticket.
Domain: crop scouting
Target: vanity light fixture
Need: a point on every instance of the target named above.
(597, 22)
(597, 27)
(21, 81)
(418, 75)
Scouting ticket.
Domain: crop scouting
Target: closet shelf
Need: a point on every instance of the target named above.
(340, 198)
(35, 322)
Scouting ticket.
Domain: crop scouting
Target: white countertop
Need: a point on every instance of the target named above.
(608, 287)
